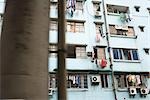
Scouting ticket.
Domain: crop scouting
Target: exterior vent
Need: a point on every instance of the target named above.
(144, 92)
(95, 79)
(50, 91)
(132, 91)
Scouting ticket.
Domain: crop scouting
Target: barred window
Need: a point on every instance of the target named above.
(77, 81)
(53, 25)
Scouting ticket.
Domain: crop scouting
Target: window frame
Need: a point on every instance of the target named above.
(53, 48)
(127, 33)
(97, 54)
(74, 53)
(83, 84)
(73, 26)
(122, 56)
(53, 25)
(105, 81)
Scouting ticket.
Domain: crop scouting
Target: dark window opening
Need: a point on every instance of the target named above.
(104, 80)
(135, 55)
(71, 51)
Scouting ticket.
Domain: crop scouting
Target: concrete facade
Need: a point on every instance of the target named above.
(138, 41)
(115, 68)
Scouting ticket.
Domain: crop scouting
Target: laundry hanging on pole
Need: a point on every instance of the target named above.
(71, 6)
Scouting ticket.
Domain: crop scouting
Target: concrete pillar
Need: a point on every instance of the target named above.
(24, 50)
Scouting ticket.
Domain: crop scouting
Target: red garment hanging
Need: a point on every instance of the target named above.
(103, 63)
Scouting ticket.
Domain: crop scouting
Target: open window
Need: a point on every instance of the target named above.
(99, 52)
(126, 80)
(121, 30)
(117, 9)
(96, 8)
(76, 51)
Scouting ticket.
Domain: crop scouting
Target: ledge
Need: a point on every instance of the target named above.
(123, 36)
(114, 14)
(122, 90)
(127, 61)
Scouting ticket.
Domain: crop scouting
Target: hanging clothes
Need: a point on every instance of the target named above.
(138, 80)
(71, 6)
(74, 79)
(77, 80)
(98, 36)
(103, 63)
(71, 77)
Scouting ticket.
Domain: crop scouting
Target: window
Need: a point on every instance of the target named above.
(99, 53)
(141, 28)
(75, 27)
(130, 31)
(52, 81)
(121, 81)
(137, 8)
(117, 53)
(79, 5)
(117, 9)
(112, 29)
(121, 30)
(71, 51)
(80, 52)
(76, 51)
(77, 81)
(99, 29)
(127, 80)
(53, 25)
(53, 5)
(104, 80)
(125, 54)
(136, 80)
(96, 6)
(53, 50)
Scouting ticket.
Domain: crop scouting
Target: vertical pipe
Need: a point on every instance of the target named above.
(24, 50)
(110, 57)
(61, 74)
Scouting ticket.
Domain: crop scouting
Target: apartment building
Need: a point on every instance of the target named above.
(107, 49)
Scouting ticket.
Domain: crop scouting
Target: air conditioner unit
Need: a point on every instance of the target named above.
(95, 79)
(132, 91)
(50, 91)
(97, 14)
(144, 91)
